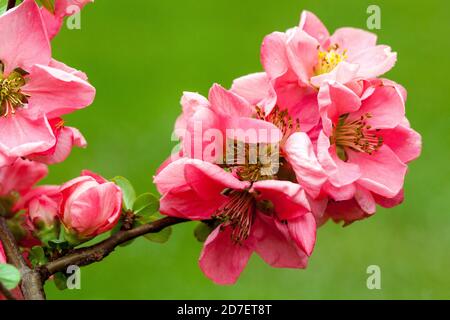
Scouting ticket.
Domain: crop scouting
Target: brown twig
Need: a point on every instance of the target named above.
(31, 283)
(11, 4)
(95, 253)
(6, 293)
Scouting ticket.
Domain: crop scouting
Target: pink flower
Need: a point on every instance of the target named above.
(34, 88)
(63, 8)
(42, 205)
(90, 205)
(309, 54)
(295, 154)
(20, 176)
(271, 217)
(364, 146)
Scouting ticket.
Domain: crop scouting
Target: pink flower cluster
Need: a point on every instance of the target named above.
(339, 145)
(36, 91)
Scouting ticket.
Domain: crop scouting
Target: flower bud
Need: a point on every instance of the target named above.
(90, 205)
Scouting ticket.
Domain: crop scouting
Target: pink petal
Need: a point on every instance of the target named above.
(353, 40)
(250, 130)
(24, 133)
(226, 103)
(299, 101)
(389, 202)
(343, 73)
(21, 176)
(274, 244)
(302, 53)
(312, 25)
(288, 198)
(348, 211)
(52, 23)
(61, 66)
(385, 106)
(339, 173)
(57, 92)
(335, 100)
(221, 260)
(257, 90)
(303, 231)
(404, 141)
(374, 61)
(209, 180)
(301, 156)
(24, 41)
(365, 200)
(382, 172)
(67, 138)
(273, 55)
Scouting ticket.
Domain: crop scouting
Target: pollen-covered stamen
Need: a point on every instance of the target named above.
(11, 96)
(282, 120)
(328, 60)
(356, 135)
(237, 213)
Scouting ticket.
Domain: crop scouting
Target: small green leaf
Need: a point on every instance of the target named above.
(160, 237)
(60, 280)
(146, 205)
(202, 231)
(48, 4)
(37, 256)
(9, 276)
(128, 193)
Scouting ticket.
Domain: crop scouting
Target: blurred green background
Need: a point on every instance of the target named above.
(141, 55)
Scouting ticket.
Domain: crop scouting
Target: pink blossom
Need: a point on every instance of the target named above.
(296, 152)
(20, 176)
(364, 146)
(34, 87)
(63, 8)
(2, 254)
(309, 54)
(90, 205)
(270, 217)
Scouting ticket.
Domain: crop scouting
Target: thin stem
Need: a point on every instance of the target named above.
(31, 283)
(96, 253)
(6, 293)
(11, 4)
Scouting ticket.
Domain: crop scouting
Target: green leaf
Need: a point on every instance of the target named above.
(146, 205)
(60, 280)
(9, 276)
(37, 256)
(160, 237)
(128, 193)
(48, 4)
(202, 231)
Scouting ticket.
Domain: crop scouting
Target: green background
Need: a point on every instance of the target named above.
(141, 55)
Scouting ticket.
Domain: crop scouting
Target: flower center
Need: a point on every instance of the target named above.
(237, 213)
(11, 96)
(356, 135)
(282, 120)
(328, 60)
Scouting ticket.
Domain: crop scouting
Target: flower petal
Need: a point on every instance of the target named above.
(57, 92)
(353, 40)
(273, 55)
(288, 198)
(274, 244)
(312, 25)
(301, 156)
(24, 41)
(382, 172)
(222, 260)
(303, 231)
